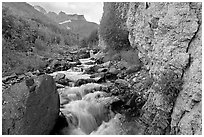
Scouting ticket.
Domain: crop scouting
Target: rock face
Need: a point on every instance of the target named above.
(168, 39)
(187, 113)
(30, 107)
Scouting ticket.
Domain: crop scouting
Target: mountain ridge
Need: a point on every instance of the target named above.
(77, 23)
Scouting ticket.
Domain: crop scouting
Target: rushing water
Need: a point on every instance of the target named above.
(86, 108)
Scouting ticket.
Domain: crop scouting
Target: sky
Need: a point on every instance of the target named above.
(92, 11)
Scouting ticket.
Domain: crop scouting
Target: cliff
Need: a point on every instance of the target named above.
(168, 39)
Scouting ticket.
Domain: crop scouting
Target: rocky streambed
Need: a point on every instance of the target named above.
(86, 96)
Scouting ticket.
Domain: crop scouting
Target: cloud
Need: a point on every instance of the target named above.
(91, 10)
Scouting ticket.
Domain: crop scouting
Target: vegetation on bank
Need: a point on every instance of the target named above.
(114, 33)
(90, 41)
(169, 85)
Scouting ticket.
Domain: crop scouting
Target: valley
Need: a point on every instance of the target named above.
(138, 72)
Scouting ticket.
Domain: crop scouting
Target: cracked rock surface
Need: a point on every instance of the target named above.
(168, 39)
(168, 36)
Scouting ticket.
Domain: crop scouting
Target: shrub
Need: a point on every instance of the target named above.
(130, 56)
(169, 85)
(40, 45)
(111, 55)
(7, 23)
(91, 40)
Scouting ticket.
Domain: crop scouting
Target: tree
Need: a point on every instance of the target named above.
(112, 30)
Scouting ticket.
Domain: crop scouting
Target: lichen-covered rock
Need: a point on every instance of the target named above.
(162, 34)
(187, 116)
(167, 37)
(30, 107)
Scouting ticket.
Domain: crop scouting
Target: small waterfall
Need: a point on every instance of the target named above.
(86, 116)
(86, 108)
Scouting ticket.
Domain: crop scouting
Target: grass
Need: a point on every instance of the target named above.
(19, 62)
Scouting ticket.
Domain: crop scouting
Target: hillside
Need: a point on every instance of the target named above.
(25, 29)
(25, 10)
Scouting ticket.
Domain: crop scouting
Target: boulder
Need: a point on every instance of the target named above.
(102, 70)
(4, 79)
(92, 70)
(30, 107)
(69, 58)
(133, 69)
(80, 82)
(84, 54)
(122, 83)
(123, 65)
(59, 85)
(113, 70)
(29, 74)
(74, 64)
(61, 79)
(64, 81)
(62, 65)
(106, 64)
(53, 64)
(59, 76)
(37, 72)
(87, 61)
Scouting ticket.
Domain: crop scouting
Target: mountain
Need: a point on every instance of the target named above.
(62, 16)
(74, 22)
(40, 9)
(29, 13)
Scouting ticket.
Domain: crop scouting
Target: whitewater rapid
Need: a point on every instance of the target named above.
(86, 108)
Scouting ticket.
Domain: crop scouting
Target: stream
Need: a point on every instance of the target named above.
(87, 108)
(95, 97)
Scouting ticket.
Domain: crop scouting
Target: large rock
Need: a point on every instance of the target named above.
(113, 70)
(168, 39)
(187, 113)
(30, 107)
(83, 54)
(165, 42)
(133, 69)
(59, 76)
(57, 65)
